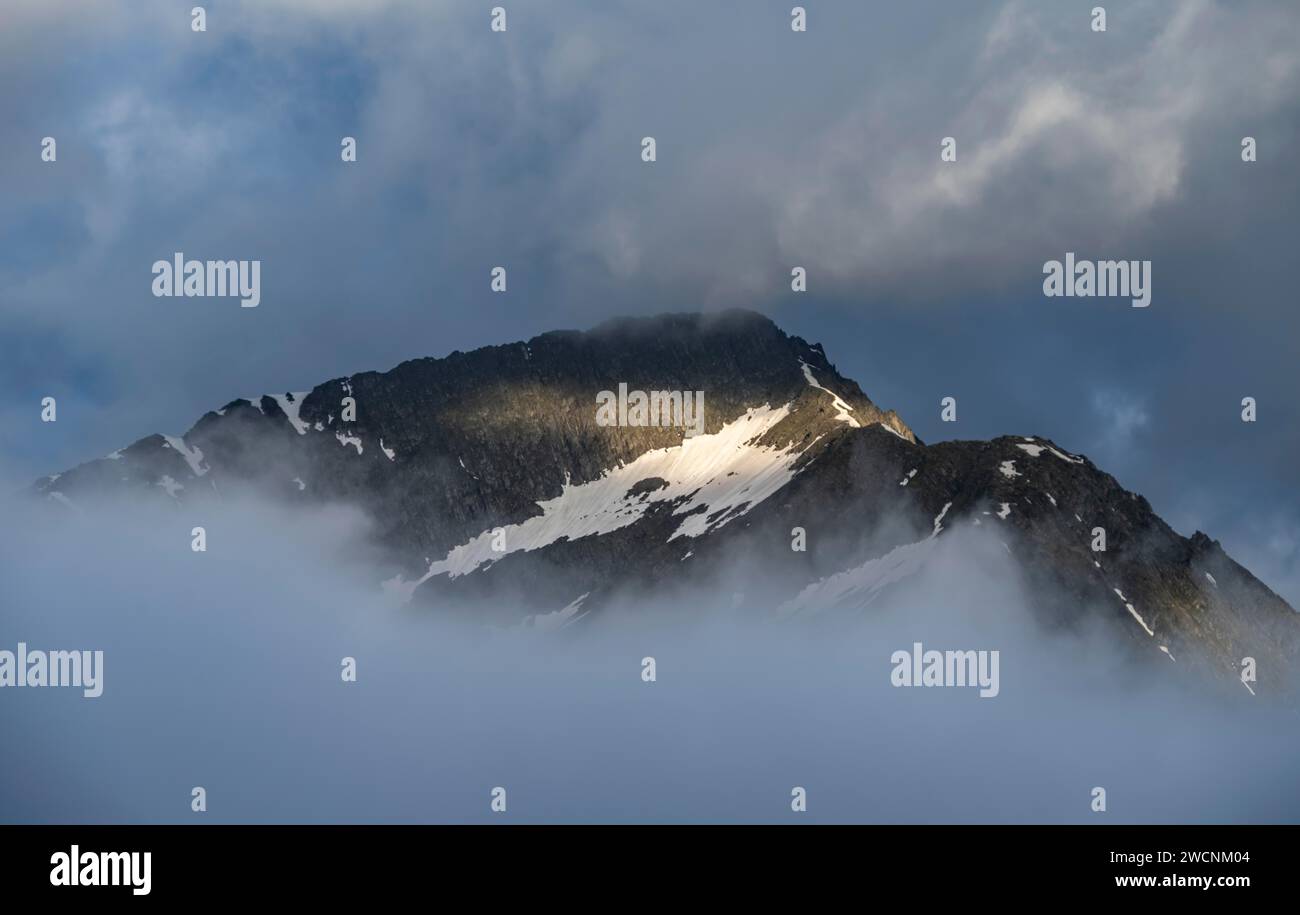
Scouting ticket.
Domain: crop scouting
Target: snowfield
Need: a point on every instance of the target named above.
(726, 473)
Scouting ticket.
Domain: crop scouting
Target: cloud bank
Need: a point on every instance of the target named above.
(223, 670)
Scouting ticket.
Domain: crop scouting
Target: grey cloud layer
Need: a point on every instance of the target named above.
(222, 669)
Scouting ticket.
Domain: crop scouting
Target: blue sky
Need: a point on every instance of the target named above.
(775, 149)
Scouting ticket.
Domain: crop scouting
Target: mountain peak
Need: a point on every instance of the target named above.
(496, 472)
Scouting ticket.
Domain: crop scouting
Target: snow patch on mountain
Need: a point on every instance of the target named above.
(938, 521)
(858, 587)
(193, 456)
(291, 403)
(716, 478)
(1036, 450)
(842, 409)
(1137, 616)
(464, 468)
(557, 620)
(346, 440)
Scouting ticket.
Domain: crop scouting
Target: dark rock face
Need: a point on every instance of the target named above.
(442, 453)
